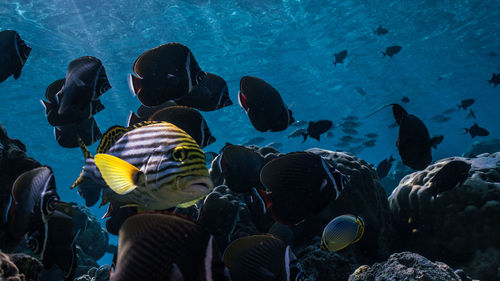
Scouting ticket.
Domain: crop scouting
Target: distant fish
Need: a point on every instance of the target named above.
(405, 99)
(210, 94)
(440, 118)
(471, 114)
(87, 131)
(341, 232)
(144, 112)
(492, 54)
(166, 72)
(298, 133)
(254, 141)
(381, 31)
(299, 123)
(187, 119)
(157, 247)
(329, 134)
(369, 143)
(13, 54)
(449, 111)
(466, 103)
(450, 175)
(392, 50)
(371, 135)
(384, 167)
(240, 167)
(349, 131)
(262, 257)
(392, 125)
(263, 105)
(475, 131)
(350, 118)
(316, 128)
(495, 79)
(300, 184)
(350, 124)
(347, 138)
(340, 57)
(360, 91)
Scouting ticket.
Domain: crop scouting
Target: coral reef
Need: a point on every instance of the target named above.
(491, 145)
(405, 266)
(457, 226)
(96, 274)
(19, 267)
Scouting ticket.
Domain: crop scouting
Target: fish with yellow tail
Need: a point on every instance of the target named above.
(150, 165)
(341, 232)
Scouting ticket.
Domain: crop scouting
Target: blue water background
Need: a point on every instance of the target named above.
(290, 44)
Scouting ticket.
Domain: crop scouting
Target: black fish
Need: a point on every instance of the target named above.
(471, 114)
(475, 130)
(158, 247)
(350, 118)
(449, 111)
(210, 94)
(440, 118)
(495, 79)
(450, 175)
(87, 131)
(263, 105)
(316, 128)
(466, 103)
(297, 133)
(262, 257)
(347, 138)
(339, 58)
(90, 192)
(144, 112)
(384, 167)
(381, 31)
(166, 72)
(369, 143)
(240, 167)
(392, 50)
(349, 131)
(187, 119)
(34, 196)
(117, 216)
(76, 97)
(405, 99)
(254, 141)
(414, 143)
(350, 124)
(299, 123)
(360, 91)
(13, 54)
(300, 184)
(329, 135)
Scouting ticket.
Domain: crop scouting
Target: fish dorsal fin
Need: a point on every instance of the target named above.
(110, 137)
(399, 112)
(83, 147)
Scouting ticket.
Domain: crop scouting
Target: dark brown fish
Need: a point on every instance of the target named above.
(158, 247)
(384, 167)
(144, 112)
(392, 50)
(450, 175)
(167, 72)
(340, 57)
(316, 128)
(476, 131)
(263, 105)
(13, 54)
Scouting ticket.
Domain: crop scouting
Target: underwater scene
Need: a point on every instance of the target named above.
(249, 140)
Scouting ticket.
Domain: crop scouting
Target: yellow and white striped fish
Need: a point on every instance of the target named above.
(150, 165)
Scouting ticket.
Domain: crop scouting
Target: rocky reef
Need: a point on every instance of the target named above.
(458, 226)
(491, 145)
(406, 266)
(391, 181)
(96, 274)
(19, 267)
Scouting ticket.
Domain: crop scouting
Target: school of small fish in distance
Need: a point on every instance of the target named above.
(146, 171)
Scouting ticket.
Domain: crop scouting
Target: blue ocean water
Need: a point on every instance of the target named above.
(450, 49)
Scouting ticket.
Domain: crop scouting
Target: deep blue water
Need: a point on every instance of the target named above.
(290, 44)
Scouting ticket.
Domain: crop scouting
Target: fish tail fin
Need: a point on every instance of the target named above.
(383, 53)
(265, 197)
(391, 159)
(304, 135)
(121, 176)
(436, 140)
(466, 131)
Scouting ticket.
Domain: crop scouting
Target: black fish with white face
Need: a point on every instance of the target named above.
(187, 119)
(316, 128)
(476, 131)
(384, 167)
(262, 257)
(144, 112)
(240, 167)
(159, 247)
(340, 57)
(391, 51)
(300, 184)
(166, 72)
(450, 175)
(263, 105)
(466, 103)
(210, 94)
(13, 54)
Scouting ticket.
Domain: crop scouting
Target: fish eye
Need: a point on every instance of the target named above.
(179, 154)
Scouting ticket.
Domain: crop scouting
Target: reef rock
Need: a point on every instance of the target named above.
(362, 196)
(458, 225)
(96, 274)
(93, 239)
(405, 266)
(19, 267)
(483, 146)
(391, 181)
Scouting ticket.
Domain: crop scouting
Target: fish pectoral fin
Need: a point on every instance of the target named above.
(129, 205)
(118, 174)
(188, 204)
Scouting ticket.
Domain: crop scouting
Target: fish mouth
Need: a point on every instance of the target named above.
(198, 186)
